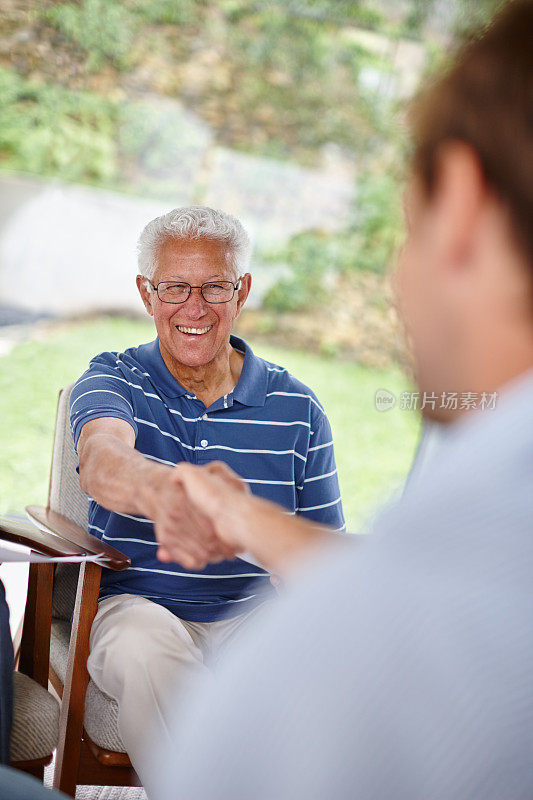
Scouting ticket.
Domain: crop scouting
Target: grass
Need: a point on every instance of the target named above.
(373, 449)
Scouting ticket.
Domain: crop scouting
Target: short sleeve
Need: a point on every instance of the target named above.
(102, 391)
(319, 496)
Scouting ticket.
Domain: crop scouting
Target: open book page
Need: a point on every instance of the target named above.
(14, 552)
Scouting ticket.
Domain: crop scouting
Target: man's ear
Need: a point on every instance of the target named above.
(146, 294)
(244, 291)
(459, 198)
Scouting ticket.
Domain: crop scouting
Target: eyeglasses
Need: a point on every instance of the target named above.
(215, 292)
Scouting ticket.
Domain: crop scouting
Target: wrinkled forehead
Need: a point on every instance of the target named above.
(205, 258)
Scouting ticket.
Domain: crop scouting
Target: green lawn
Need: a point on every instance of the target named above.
(373, 449)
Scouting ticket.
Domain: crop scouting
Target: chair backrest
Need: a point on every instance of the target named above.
(65, 495)
(67, 498)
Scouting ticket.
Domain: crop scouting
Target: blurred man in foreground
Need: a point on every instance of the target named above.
(403, 668)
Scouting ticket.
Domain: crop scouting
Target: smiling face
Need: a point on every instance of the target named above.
(193, 334)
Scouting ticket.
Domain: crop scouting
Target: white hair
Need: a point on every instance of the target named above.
(194, 222)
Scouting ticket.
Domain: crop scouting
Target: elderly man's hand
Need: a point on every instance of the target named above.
(184, 534)
(119, 478)
(218, 493)
(259, 530)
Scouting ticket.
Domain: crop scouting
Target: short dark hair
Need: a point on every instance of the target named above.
(486, 101)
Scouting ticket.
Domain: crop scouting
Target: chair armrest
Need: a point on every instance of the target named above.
(25, 533)
(74, 536)
(60, 537)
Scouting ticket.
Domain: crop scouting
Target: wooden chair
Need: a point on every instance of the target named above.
(35, 731)
(35, 723)
(58, 622)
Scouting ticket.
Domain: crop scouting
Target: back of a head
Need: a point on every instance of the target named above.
(486, 101)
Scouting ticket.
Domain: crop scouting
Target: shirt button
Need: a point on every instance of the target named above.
(204, 442)
(204, 417)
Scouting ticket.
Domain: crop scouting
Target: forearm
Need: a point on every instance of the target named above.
(118, 477)
(121, 479)
(278, 541)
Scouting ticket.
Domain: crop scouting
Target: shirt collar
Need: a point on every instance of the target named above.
(164, 381)
(251, 387)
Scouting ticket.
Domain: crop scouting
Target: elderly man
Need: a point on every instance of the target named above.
(420, 684)
(195, 394)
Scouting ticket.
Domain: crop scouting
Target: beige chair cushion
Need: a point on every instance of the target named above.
(101, 711)
(35, 729)
(66, 496)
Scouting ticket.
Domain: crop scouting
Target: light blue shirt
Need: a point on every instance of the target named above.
(402, 669)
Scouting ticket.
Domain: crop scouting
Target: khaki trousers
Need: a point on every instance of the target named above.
(148, 660)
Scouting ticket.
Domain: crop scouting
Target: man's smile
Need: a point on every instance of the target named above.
(195, 331)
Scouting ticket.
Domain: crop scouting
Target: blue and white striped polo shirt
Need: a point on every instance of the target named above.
(270, 429)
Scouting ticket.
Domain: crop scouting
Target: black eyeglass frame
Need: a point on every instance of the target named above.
(236, 287)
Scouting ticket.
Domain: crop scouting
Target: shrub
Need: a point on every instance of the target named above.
(374, 234)
(50, 130)
(103, 28)
(367, 244)
(308, 256)
(167, 12)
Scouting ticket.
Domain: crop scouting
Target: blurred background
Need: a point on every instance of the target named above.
(288, 114)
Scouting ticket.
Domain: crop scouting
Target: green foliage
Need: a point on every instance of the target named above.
(167, 12)
(153, 134)
(50, 130)
(417, 16)
(367, 244)
(377, 225)
(291, 80)
(335, 11)
(103, 28)
(280, 79)
(309, 256)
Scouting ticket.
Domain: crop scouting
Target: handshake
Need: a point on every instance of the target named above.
(199, 515)
(207, 514)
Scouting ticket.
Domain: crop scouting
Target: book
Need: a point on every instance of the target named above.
(22, 540)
